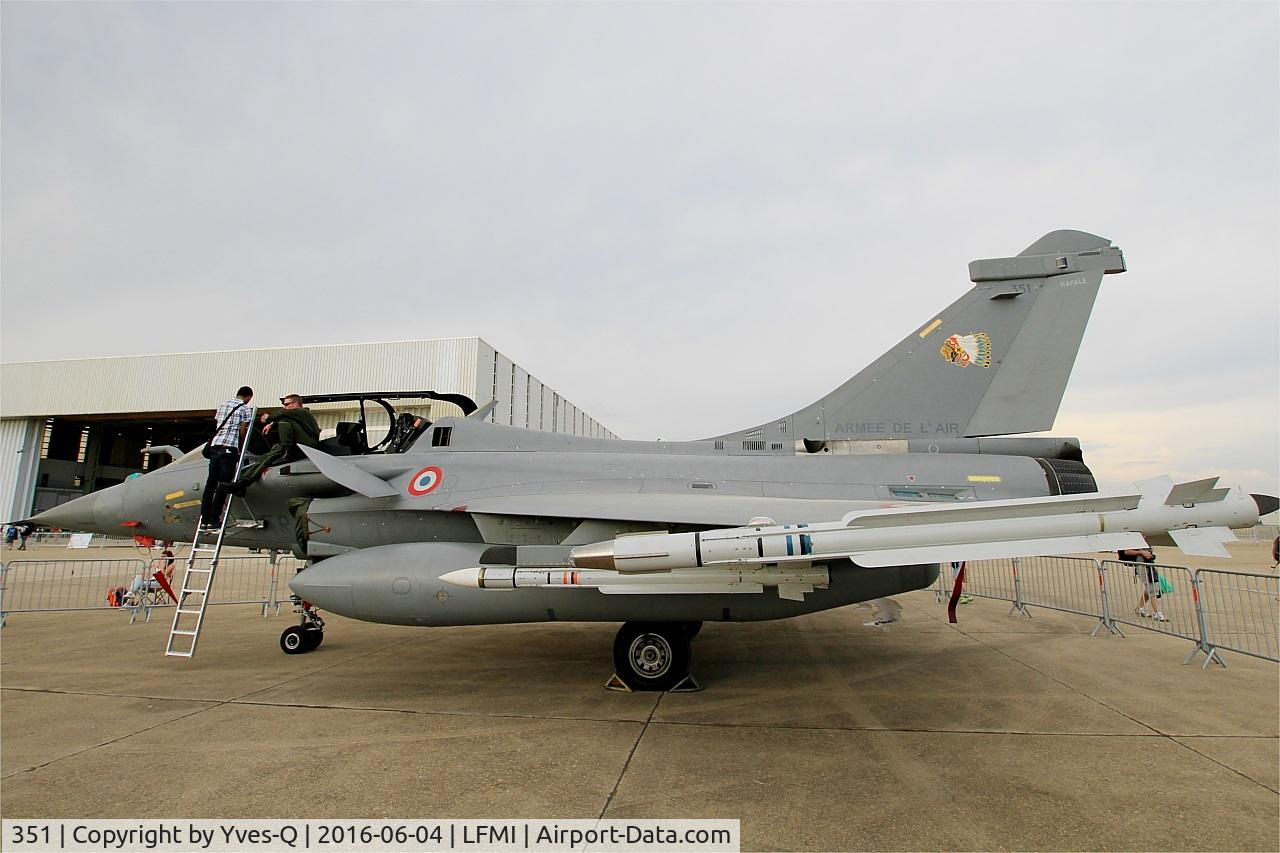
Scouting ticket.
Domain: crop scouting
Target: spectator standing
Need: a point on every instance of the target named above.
(233, 419)
(1143, 562)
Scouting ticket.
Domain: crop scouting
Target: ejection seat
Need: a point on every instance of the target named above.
(348, 440)
(351, 436)
(405, 431)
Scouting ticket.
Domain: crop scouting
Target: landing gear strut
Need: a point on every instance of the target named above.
(654, 656)
(308, 634)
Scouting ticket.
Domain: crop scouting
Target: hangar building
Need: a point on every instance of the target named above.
(75, 426)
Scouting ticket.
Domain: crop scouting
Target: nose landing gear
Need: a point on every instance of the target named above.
(307, 635)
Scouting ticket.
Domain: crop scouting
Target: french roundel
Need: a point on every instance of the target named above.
(425, 481)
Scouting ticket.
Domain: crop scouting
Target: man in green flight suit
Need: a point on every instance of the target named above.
(293, 425)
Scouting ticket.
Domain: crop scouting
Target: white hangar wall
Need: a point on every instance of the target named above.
(103, 390)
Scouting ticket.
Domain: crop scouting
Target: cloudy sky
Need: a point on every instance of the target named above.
(686, 218)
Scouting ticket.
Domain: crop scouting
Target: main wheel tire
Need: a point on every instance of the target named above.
(651, 656)
(315, 636)
(294, 640)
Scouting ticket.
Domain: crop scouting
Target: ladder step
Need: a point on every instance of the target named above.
(205, 547)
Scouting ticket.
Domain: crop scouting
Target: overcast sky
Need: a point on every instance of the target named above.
(687, 219)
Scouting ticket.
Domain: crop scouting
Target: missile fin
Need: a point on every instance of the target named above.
(794, 591)
(1195, 492)
(1203, 541)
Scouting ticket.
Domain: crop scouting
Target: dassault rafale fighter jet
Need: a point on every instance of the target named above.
(858, 496)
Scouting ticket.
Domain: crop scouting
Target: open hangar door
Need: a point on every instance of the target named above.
(84, 453)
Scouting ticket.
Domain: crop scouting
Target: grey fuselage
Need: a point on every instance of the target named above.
(494, 494)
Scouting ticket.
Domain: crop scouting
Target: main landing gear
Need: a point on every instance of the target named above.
(654, 656)
(307, 634)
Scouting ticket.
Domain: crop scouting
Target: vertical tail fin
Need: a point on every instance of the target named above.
(995, 362)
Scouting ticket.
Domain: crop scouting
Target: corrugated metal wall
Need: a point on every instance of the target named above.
(502, 384)
(19, 453)
(183, 382)
(486, 375)
(519, 396)
(194, 381)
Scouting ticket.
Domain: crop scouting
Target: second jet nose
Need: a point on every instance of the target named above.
(97, 512)
(326, 587)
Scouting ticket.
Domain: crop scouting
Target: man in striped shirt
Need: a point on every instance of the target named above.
(233, 419)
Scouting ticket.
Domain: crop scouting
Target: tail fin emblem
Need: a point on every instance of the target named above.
(964, 350)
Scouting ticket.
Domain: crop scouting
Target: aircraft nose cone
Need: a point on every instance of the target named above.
(97, 512)
(1266, 503)
(77, 514)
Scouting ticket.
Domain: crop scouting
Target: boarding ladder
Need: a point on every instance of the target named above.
(202, 562)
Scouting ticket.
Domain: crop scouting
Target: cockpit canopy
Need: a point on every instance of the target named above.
(402, 429)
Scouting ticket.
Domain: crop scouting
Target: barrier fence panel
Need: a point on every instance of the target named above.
(1241, 613)
(242, 580)
(1070, 584)
(286, 566)
(987, 579)
(63, 540)
(1259, 533)
(1171, 606)
(53, 585)
(33, 585)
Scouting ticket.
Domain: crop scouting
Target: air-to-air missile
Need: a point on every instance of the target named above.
(1197, 516)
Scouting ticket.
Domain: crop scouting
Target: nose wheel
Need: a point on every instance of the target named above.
(308, 634)
(654, 656)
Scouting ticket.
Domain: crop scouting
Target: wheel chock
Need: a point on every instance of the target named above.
(688, 684)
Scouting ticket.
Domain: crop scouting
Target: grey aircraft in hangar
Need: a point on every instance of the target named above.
(912, 462)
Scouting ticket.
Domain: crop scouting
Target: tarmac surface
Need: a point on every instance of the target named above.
(817, 733)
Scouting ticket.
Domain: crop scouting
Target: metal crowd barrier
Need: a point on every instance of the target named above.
(1241, 612)
(1259, 533)
(1215, 609)
(984, 579)
(63, 540)
(42, 586)
(1069, 584)
(1173, 612)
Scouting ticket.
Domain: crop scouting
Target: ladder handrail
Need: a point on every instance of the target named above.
(200, 551)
